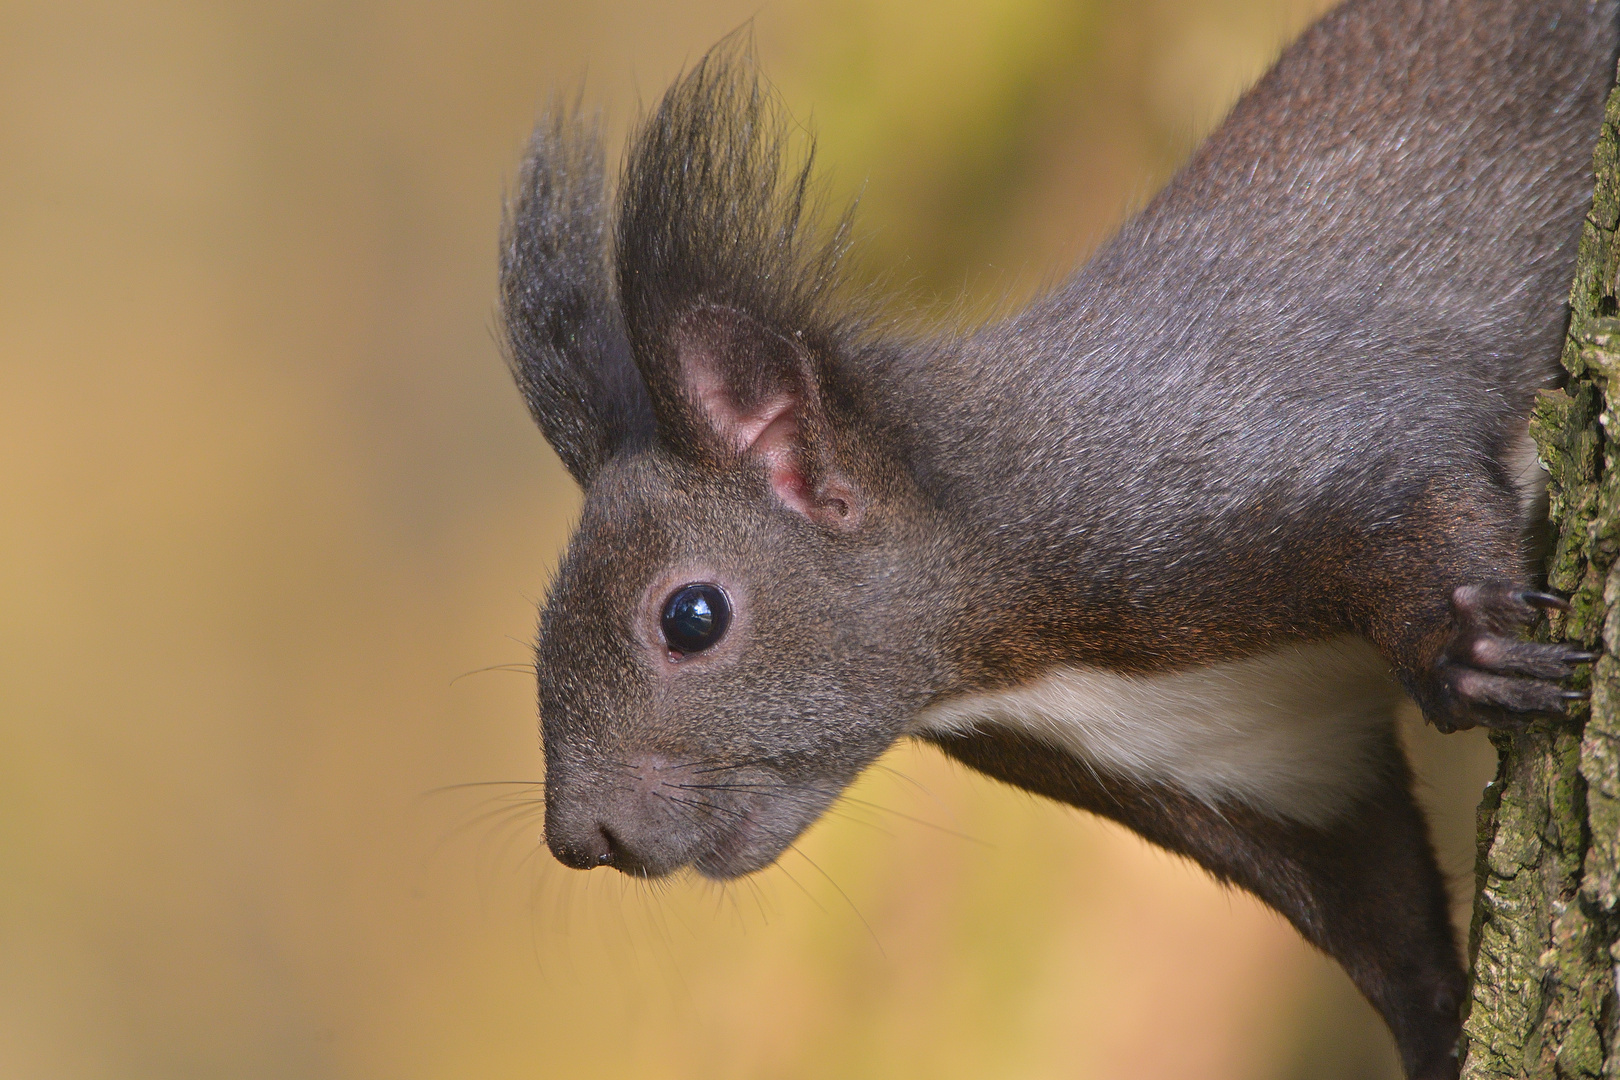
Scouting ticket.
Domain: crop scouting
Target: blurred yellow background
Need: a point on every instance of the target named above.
(266, 492)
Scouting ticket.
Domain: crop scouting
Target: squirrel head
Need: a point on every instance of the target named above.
(743, 619)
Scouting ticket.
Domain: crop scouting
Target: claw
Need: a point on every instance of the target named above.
(1488, 675)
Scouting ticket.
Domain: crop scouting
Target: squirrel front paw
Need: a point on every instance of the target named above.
(1487, 674)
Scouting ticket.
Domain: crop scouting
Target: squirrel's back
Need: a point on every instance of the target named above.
(1371, 254)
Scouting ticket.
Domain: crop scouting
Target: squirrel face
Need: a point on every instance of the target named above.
(733, 692)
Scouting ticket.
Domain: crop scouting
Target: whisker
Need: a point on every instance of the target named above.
(514, 666)
(800, 885)
(703, 804)
(780, 790)
(507, 813)
(721, 766)
(918, 784)
(539, 846)
(873, 933)
(480, 784)
(916, 820)
(513, 832)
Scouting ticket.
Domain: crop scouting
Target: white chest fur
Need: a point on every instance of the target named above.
(1292, 733)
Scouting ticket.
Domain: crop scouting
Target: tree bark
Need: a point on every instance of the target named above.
(1543, 941)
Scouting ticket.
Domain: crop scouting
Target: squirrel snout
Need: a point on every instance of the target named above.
(649, 816)
(595, 847)
(622, 815)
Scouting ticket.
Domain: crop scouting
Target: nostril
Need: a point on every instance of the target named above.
(618, 821)
(594, 847)
(608, 852)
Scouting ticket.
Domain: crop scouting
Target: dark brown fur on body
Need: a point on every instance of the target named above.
(1278, 408)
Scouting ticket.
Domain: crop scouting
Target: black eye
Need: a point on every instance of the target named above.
(695, 617)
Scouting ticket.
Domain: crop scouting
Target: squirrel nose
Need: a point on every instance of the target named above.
(594, 846)
(617, 819)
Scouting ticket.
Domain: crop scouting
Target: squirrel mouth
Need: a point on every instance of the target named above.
(657, 817)
(746, 845)
(760, 828)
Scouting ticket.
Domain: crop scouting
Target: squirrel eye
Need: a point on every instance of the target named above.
(695, 617)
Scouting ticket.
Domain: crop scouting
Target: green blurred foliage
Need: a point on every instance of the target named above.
(266, 492)
(947, 125)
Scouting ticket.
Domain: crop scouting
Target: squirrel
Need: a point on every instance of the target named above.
(1167, 545)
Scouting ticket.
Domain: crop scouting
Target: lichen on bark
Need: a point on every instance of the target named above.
(1547, 908)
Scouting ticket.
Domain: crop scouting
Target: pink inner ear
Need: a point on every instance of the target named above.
(771, 432)
(768, 430)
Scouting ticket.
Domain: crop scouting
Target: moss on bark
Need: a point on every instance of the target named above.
(1544, 937)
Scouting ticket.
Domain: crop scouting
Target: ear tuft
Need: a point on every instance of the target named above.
(732, 300)
(717, 209)
(564, 335)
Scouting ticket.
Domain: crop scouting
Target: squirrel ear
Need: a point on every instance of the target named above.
(749, 391)
(566, 341)
(728, 286)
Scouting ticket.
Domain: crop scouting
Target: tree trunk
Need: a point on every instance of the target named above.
(1543, 940)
